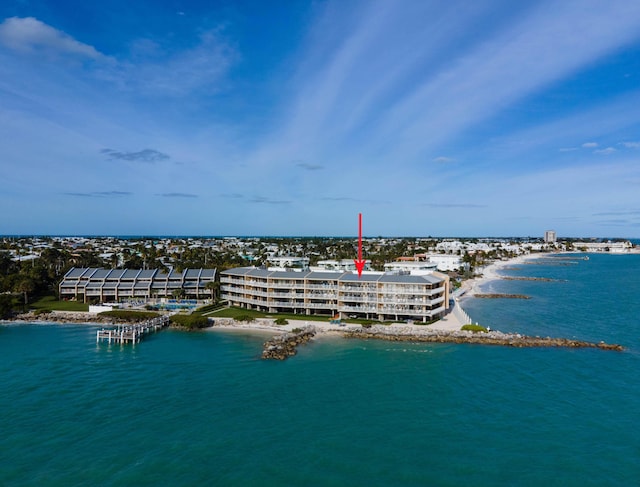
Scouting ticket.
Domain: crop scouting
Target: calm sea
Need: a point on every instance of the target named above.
(203, 409)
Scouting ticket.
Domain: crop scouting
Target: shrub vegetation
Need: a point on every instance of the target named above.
(192, 321)
(474, 328)
(247, 318)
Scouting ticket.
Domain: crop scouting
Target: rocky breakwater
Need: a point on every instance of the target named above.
(479, 338)
(63, 317)
(284, 346)
(498, 296)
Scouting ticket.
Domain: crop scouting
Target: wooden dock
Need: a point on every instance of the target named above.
(132, 333)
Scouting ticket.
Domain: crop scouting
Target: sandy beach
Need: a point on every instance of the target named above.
(491, 273)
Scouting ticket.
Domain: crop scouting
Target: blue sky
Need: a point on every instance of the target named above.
(443, 118)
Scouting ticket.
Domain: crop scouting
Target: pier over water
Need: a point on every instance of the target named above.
(132, 333)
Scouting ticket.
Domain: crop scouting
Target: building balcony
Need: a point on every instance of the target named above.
(367, 298)
(258, 284)
(286, 295)
(321, 295)
(322, 287)
(255, 292)
(420, 290)
(331, 306)
(357, 309)
(286, 285)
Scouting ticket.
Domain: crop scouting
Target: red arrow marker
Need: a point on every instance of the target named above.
(359, 262)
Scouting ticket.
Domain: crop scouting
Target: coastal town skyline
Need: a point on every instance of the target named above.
(218, 118)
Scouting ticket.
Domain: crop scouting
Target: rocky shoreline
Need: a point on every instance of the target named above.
(488, 338)
(498, 296)
(522, 278)
(62, 317)
(281, 347)
(284, 346)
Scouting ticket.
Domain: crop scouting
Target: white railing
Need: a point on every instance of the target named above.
(460, 314)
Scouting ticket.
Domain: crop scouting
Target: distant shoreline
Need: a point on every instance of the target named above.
(445, 330)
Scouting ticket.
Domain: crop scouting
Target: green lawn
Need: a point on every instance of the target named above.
(50, 303)
(235, 312)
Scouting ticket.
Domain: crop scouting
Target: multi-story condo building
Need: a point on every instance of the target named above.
(343, 265)
(411, 267)
(289, 262)
(379, 296)
(112, 285)
(550, 236)
(613, 247)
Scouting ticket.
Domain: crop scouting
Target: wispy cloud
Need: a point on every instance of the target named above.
(153, 70)
(30, 35)
(99, 194)
(268, 201)
(454, 205)
(150, 69)
(619, 213)
(339, 199)
(358, 113)
(630, 145)
(606, 152)
(145, 155)
(358, 87)
(444, 160)
(178, 195)
(309, 167)
(618, 223)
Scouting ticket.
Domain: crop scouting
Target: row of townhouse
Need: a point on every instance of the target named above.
(113, 285)
(372, 296)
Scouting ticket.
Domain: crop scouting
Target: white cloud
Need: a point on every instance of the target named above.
(31, 35)
(631, 145)
(590, 145)
(200, 68)
(149, 70)
(606, 152)
(360, 85)
(525, 58)
(443, 159)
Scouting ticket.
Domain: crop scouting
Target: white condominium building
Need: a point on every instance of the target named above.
(378, 296)
(550, 236)
(412, 267)
(613, 247)
(288, 261)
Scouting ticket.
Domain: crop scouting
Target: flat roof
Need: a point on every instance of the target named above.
(332, 276)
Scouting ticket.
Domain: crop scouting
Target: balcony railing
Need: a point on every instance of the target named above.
(286, 285)
(332, 306)
(358, 309)
(322, 287)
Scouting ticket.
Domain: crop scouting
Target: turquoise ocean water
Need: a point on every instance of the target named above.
(203, 409)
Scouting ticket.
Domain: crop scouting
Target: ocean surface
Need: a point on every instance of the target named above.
(202, 408)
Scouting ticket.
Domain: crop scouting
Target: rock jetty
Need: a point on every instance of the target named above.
(488, 338)
(284, 346)
(519, 278)
(497, 296)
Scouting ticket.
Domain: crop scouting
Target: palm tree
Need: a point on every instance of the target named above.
(26, 286)
(214, 287)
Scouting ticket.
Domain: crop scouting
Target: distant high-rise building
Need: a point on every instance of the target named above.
(550, 236)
